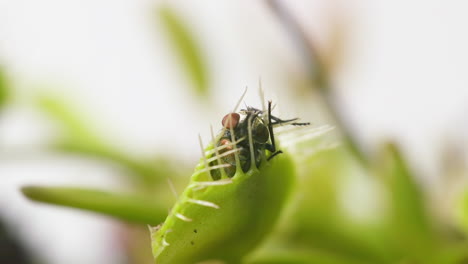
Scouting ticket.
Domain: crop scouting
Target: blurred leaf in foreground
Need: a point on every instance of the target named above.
(71, 120)
(303, 257)
(128, 207)
(187, 49)
(462, 211)
(411, 226)
(78, 136)
(3, 88)
(319, 220)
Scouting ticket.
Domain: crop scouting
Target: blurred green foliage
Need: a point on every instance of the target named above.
(304, 257)
(147, 177)
(408, 211)
(462, 211)
(319, 221)
(128, 207)
(78, 135)
(3, 88)
(187, 49)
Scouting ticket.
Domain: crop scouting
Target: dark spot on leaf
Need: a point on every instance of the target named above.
(193, 243)
(195, 231)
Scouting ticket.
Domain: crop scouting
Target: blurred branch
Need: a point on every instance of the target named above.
(127, 207)
(186, 48)
(319, 74)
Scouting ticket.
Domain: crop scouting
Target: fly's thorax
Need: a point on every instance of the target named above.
(260, 132)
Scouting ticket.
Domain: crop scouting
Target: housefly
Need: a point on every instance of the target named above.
(247, 139)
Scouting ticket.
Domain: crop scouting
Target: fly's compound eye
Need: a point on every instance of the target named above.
(231, 120)
(260, 133)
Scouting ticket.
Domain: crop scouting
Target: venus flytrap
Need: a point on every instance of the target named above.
(224, 219)
(234, 197)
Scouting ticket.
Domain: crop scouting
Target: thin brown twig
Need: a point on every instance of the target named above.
(318, 73)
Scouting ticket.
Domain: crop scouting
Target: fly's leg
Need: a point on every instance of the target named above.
(279, 121)
(272, 147)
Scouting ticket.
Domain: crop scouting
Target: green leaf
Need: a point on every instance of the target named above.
(128, 207)
(461, 213)
(319, 220)
(72, 122)
(411, 226)
(455, 253)
(186, 48)
(227, 220)
(311, 256)
(150, 173)
(79, 137)
(3, 88)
